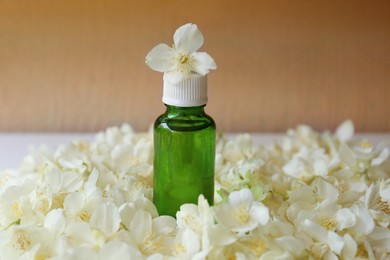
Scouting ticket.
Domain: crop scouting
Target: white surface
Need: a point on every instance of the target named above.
(15, 146)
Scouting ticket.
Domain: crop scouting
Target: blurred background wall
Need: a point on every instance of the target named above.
(78, 65)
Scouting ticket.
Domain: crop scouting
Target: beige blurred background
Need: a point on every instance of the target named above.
(78, 65)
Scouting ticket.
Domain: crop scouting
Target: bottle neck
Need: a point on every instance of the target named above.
(175, 110)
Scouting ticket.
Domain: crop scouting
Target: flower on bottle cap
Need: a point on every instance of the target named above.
(182, 60)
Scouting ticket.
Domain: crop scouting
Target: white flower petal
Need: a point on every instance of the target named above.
(141, 226)
(174, 76)
(320, 167)
(147, 205)
(71, 181)
(164, 224)
(188, 38)
(325, 190)
(314, 230)
(118, 250)
(350, 248)
(302, 194)
(122, 152)
(380, 217)
(55, 222)
(143, 150)
(54, 179)
(90, 185)
(291, 244)
(157, 256)
(224, 215)
(78, 253)
(127, 213)
(275, 254)
(79, 233)
(189, 240)
(335, 242)
(364, 222)
(202, 63)
(188, 217)
(220, 235)
(241, 197)
(329, 255)
(74, 203)
(260, 213)
(381, 158)
(385, 190)
(347, 156)
(381, 237)
(345, 131)
(106, 218)
(371, 195)
(295, 167)
(161, 58)
(345, 219)
(205, 212)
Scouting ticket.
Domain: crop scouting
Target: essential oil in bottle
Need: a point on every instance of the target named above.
(184, 147)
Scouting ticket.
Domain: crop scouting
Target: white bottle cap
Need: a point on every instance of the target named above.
(190, 92)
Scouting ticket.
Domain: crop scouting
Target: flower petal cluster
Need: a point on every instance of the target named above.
(308, 196)
(182, 59)
(241, 213)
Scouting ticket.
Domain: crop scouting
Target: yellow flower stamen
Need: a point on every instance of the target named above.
(317, 251)
(16, 210)
(342, 188)
(21, 241)
(366, 144)
(343, 165)
(139, 185)
(315, 255)
(41, 257)
(184, 59)
(242, 213)
(328, 222)
(82, 146)
(84, 216)
(257, 246)
(43, 206)
(184, 62)
(179, 249)
(58, 200)
(122, 227)
(361, 251)
(383, 205)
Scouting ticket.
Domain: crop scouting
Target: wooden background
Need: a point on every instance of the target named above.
(78, 65)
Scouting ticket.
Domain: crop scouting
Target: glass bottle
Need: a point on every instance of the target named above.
(184, 148)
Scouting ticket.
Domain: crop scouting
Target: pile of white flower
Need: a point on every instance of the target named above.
(311, 196)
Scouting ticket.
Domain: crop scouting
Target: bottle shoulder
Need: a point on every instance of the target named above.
(184, 122)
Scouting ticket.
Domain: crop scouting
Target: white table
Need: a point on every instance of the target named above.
(15, 146)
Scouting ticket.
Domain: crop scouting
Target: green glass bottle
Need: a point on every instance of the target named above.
(184, 147)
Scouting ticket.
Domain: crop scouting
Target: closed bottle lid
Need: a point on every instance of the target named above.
(190, 92)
